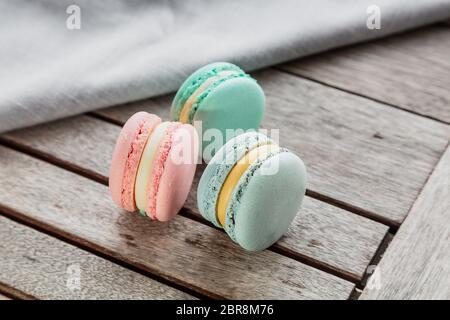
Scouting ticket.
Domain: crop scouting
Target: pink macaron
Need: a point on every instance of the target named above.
(153, 166)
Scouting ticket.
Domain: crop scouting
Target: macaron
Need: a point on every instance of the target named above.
(153, 166)
(253, 189)
(219, 96)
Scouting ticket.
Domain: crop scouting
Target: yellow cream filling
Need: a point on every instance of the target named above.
(184, 115)
(236, 173)
(146, 165)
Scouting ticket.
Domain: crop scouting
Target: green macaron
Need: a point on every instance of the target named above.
(219, 96)
(253, 189)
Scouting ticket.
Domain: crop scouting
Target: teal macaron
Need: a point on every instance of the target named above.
(219, 96)
(252, 188)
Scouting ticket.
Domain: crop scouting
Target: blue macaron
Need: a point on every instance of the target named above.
(253, 189)
(219, 96)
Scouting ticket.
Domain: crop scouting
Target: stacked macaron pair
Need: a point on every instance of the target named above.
(153, 166)
(252, 188)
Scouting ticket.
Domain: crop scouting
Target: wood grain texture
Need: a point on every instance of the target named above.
(85, 142)
(46, 267)
(417, 263)
(409, 70)
(373, 158)
(182, 251)
(333, 237)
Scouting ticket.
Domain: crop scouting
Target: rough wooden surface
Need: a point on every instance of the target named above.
(47, 268)
(346, 142)
(368, 157)
(183, 251)
(410, 70)
(417, 263)
(340, 239)
(83, 142)
(328, 235)
(357, 151)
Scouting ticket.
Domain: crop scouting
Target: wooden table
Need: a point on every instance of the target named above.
(372, 123)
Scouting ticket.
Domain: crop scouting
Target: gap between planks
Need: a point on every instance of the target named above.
(47, 229)
(185, 212)
(352, 92)
(358, 289)
(381, 71)
(416, 266)
(44, 261)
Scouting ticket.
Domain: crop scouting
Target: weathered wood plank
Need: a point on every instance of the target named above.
(48, 268)
(85, 142)
(417, 263)
(372, 157)
(362, 153)
(183, 251)
(409, 70)
(331, 236)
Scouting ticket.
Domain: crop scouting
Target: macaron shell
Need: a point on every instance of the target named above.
(126, 157)
(158, 165)
(237, 103)
(264, 207)
(193, 81)
(178, 174)
(218, 169)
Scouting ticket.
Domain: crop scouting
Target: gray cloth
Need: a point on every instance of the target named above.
(131, 50)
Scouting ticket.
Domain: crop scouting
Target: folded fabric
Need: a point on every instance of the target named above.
(131, 50)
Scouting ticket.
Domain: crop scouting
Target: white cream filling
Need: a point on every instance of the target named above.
(146, 165)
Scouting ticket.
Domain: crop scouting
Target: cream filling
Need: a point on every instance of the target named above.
(184, 115)
(234, 176)
(146, 165)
